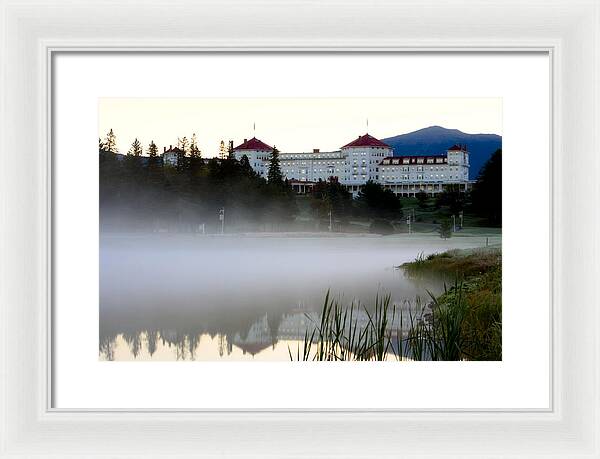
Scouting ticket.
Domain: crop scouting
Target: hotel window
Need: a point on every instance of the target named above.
(420, 177)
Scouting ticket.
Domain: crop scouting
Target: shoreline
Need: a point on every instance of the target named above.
(493, 236)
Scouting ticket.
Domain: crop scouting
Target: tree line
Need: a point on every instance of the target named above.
(138, 192)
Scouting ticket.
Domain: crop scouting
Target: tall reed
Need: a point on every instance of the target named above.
(433, 331)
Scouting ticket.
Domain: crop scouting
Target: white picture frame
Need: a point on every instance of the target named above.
(568, 30)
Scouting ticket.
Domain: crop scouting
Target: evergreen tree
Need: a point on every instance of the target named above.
(100, 144)
(487, 192)
(331, 196)
(135, 149)
(222, 151)
(110, 143)
(183, 145)
(194, 150)
(230, 150)
(452, 197)
(274, 175)
(379, 202)
(152, 150)
(246, 167)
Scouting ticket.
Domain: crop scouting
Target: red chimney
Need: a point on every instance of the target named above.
(245, 140)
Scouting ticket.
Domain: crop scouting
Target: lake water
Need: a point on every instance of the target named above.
(193, 297)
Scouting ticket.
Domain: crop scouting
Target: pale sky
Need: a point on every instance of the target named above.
(292, 125)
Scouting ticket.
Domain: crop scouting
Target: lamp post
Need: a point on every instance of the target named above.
(222, 218)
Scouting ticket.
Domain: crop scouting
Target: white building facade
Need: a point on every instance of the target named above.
(408, 175)
(364, 159)
(171, 156)
(258, 154)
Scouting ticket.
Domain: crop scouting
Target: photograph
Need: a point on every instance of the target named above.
(286, 196)
(300, 229)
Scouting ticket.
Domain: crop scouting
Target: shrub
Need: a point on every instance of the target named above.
(445, 229)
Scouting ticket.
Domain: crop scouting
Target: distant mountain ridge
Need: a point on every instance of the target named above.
(434, 140)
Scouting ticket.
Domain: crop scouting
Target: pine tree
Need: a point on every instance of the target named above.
(274, 175)
(194, 150)
(245, 166)
(230, 150)
(222, 151)
(154, 171)
(487, 191)
(136, 148)
(110, 143)
(152, 150)
(183, 145)
(100, 144)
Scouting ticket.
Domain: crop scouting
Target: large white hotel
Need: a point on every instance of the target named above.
(361, 160)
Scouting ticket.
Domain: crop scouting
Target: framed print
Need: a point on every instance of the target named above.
(172, 232)
(293, 229)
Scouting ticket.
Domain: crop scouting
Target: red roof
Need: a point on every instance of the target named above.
(254, 144)
(174, 150)
(367, 141)
(457, 147)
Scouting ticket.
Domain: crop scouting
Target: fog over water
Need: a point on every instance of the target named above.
(195, 297)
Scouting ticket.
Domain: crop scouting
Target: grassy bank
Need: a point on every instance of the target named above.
(463, 323)
(467, 318)
(460, 264)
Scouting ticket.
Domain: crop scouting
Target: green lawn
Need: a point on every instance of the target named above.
(423, 220)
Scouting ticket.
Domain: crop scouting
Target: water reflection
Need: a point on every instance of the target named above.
(193, 298)
(259, 339)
